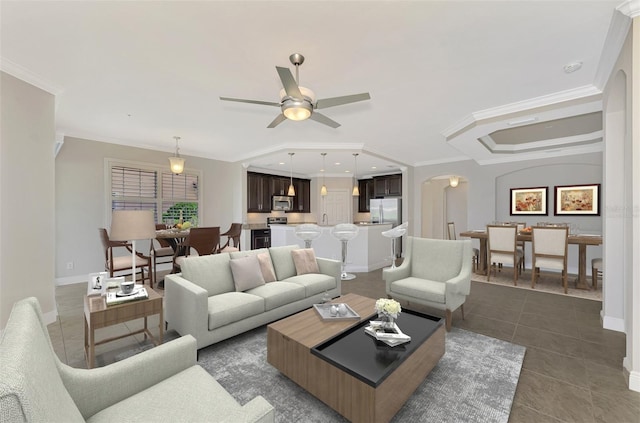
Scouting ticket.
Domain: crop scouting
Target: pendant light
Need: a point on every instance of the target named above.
(176, 163)
(356, 190)
(292, 190)
(323, 190)
(454, 181)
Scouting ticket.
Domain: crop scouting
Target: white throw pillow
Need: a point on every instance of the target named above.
(246, 273)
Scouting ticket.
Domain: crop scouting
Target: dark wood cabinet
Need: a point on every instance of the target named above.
(279, 185)
(387, 186)
(302, 200)
(261, 187)
(366, 193)
(258, 193)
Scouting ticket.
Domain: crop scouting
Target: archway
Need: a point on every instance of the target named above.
(441, 203)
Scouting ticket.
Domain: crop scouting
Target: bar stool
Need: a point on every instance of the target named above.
(344, 232)
(596, 271)
(394, 234)
(308, 232)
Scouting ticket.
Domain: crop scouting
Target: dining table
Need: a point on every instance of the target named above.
(173, 236)
(581, 240)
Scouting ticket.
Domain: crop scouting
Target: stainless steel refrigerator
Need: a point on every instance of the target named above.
(387, 210)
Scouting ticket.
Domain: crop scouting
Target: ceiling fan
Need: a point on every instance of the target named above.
(299, 103)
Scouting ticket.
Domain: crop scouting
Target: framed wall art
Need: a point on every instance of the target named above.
(577, 200)
(529, 201)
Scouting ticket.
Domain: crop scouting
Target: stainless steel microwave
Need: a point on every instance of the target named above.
(281, 203)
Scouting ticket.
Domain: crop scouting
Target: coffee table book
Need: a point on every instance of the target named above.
(116, 297)
(390, 336)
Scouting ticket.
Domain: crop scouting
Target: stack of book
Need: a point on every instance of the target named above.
(391, 336)
(117, 297)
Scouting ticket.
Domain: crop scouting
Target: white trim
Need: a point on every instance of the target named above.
(618, 29)
(50, 317)
(634, 381)
(630, 8)
(26, 75)
(613, 323)
(70, 280)
(442, 161)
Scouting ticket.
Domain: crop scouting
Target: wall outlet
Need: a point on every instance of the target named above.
(69, 265)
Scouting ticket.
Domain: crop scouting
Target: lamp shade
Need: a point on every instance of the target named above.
(129, 225)
(176, 164)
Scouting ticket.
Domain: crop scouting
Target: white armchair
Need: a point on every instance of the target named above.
(435, 273)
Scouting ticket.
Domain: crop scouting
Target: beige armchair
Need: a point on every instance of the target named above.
(435, 273)
(161, 384)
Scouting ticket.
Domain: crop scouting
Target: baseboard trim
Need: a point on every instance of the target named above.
(634, 381)
(613, 323)
(70, 280)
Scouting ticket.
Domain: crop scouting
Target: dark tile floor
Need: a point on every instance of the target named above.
(572, 370)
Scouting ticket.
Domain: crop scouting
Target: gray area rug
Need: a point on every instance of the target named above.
(475, 381)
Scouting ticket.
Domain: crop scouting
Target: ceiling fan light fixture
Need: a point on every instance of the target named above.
(296, 110)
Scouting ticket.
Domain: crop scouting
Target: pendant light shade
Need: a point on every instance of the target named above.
(454, 181)
(176, 163)
(323, 190)
(292, 190)
(356, 190)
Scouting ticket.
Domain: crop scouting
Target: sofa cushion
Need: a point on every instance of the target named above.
(166, 400)
(211, 272)
(314, 283)
(231, 307)
(423, 289)
(304, 260)
(277, 294)
(283, 262)
(246, 273)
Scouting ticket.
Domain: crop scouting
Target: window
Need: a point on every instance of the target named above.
(136, 186)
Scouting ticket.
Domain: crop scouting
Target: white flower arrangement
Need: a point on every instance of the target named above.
(389, 307)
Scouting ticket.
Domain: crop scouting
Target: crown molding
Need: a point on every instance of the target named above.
(443, 161)
(618, 29)
(521, 106)
(26, 75)
(631, 8)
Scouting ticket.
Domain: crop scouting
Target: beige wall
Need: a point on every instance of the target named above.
(27, 218)
(82, 205)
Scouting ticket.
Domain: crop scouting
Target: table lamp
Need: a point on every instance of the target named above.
(132, 225)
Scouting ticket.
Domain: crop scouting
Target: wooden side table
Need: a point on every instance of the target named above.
(98, 315)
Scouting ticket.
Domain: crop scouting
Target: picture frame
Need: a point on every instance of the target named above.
(529, 201)
(96, 283)
(577, 200)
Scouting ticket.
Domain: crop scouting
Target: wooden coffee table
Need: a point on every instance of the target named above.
(291, 349)
(98, 315)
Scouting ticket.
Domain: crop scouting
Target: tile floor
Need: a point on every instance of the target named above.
(572, 370)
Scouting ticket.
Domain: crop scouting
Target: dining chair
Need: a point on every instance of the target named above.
(233, 236)
(596, 272)
(201, 241)
(475, 256)
(114, 263)
(160, 249)
(521, 244)
(502, 246)
(549, 245)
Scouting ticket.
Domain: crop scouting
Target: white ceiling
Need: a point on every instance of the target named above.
(140, 73)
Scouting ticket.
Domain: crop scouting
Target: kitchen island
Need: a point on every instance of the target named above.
(368, 251)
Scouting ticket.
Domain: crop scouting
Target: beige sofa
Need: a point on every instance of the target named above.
(204, 301)
(160, 384)
(435, 273)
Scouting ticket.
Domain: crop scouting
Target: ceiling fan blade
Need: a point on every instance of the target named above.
(240, 100)
(345, 99)
(323, 119)
(289, 83)
(277, 121)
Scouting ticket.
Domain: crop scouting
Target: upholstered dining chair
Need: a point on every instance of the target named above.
(160, 251)
(115, 263)
(451, 235)
(201, 241)
(233, 237)
(549, 245)
(502, 247)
